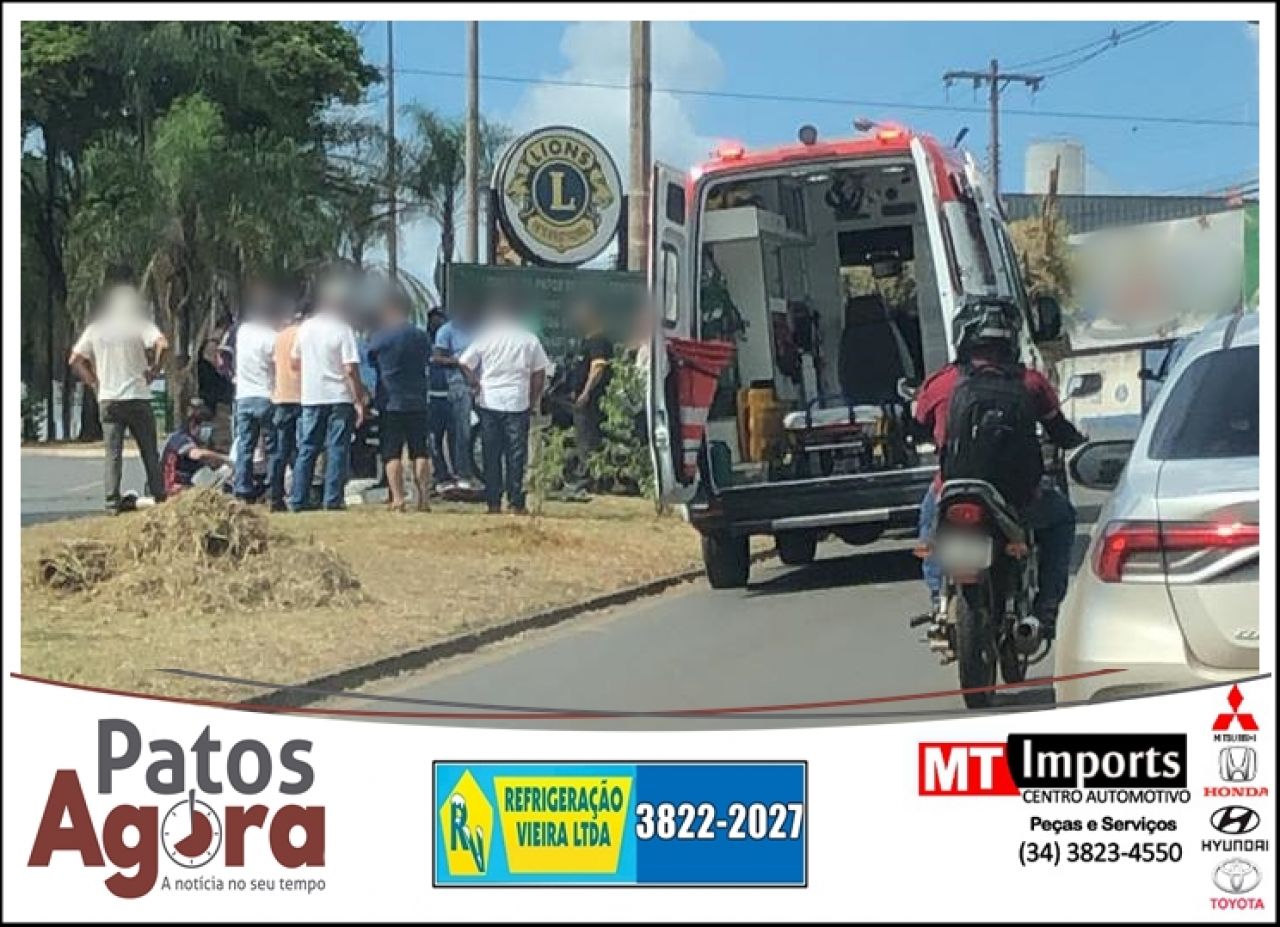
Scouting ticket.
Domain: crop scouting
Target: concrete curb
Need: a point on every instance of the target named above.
(339, 681)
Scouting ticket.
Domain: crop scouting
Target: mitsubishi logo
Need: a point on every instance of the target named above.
(1245, 719)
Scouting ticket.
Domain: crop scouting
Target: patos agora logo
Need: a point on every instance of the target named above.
(201, 804)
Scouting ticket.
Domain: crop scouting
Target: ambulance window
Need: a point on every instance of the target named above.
(675, 203)
(977, 273)
(670, 285)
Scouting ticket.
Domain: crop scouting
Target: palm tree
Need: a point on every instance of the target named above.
(433, 170)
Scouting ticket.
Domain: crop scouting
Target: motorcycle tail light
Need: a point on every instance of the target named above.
(1148, 548)
(964, 513)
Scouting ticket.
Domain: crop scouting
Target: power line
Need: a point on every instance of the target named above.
(1107, 41)
(835, 101)
(1071, 65)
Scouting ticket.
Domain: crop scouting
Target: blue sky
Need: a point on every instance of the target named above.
(1196, 70)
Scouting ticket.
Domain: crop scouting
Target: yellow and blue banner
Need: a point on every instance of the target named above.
(620, 823)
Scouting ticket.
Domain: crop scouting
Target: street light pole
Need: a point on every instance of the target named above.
(638, 198)
(392, 242)
(473, 143)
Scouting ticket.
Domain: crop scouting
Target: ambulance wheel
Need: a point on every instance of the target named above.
(796, 548)
(726, 559)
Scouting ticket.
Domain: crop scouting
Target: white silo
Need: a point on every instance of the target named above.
(1067, 153)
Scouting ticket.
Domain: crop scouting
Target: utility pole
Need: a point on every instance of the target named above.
(392, 230)
(638, 199)
(473, 143)
(996, 80)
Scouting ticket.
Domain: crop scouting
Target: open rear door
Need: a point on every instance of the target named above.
(671, 299)
(945, 274)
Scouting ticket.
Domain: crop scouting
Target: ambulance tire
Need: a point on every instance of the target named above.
(727, 560)
(796, 548)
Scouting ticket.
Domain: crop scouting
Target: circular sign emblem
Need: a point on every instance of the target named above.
(560, 196)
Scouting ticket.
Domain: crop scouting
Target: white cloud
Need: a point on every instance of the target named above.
(599, 53)
(1251, 31)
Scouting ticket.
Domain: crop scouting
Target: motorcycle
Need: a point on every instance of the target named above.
(984, 620)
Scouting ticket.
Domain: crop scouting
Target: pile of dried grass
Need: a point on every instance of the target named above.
(76, 566)
(202, 550)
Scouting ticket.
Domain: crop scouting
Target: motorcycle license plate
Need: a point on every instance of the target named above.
(964, 553)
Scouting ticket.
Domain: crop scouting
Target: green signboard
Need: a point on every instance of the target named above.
(549, 296)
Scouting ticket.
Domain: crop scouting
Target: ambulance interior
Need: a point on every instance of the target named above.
(822, 276)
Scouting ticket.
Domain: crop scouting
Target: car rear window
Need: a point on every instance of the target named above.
(1212, 410)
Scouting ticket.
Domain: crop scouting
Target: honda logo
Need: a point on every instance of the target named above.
(1235, 819)
(1237, 764)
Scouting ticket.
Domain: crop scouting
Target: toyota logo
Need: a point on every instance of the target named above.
(1235, 819)
(1237, 876)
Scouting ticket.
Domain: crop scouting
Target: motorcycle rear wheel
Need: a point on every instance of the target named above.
(976, 655)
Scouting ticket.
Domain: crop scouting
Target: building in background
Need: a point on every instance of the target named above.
(1043, 156)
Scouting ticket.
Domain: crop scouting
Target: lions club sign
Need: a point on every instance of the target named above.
(560, 196)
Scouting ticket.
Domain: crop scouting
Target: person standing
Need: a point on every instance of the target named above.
(286, 410)
(439, 412)
(507, 367)
(588, 381)
(117, 356)
(401, 353)
(333, 398)
(255, 379)
(451, 340)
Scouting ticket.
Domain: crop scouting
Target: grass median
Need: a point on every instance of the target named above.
(284, 598)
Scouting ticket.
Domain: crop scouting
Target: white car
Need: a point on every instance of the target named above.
(1168, 597)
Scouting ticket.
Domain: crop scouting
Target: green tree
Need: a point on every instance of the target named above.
(197, 150)
(433, 170)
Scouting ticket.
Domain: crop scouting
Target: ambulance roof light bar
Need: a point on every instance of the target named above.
(885, 131)
(729, 151)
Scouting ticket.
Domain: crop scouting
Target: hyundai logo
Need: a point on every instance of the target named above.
(1235, 819)
(1237, 764)
(1237, 876)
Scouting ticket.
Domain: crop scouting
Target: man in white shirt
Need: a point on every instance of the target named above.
(333, 398)
(118, 355)
(507, 368)
(255, 379)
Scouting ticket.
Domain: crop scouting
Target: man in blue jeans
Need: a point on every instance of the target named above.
(452, 339)
(507, 367)
(255, 379)
(333, 398)
(439, 411)
(987, 335)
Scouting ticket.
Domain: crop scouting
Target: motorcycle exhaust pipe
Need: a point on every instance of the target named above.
(1026, 636)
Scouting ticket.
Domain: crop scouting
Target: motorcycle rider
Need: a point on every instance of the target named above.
(986, 333)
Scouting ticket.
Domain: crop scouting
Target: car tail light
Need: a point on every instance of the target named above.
(964, 513)
(1148, 548)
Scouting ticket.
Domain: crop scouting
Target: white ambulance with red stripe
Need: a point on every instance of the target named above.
(798, 293)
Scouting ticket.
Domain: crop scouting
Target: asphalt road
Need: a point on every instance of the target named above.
(834, 631)
(58, 485)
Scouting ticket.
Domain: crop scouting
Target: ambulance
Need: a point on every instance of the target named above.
(821, 278)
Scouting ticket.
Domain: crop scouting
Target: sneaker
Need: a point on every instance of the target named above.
(1047, 615)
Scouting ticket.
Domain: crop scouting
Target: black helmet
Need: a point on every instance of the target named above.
(986, 323)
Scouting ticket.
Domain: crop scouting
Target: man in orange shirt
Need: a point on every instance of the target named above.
(286, 396)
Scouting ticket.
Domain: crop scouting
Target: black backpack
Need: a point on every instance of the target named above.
(991, 432)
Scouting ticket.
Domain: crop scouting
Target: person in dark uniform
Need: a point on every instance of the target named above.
(588, 381)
